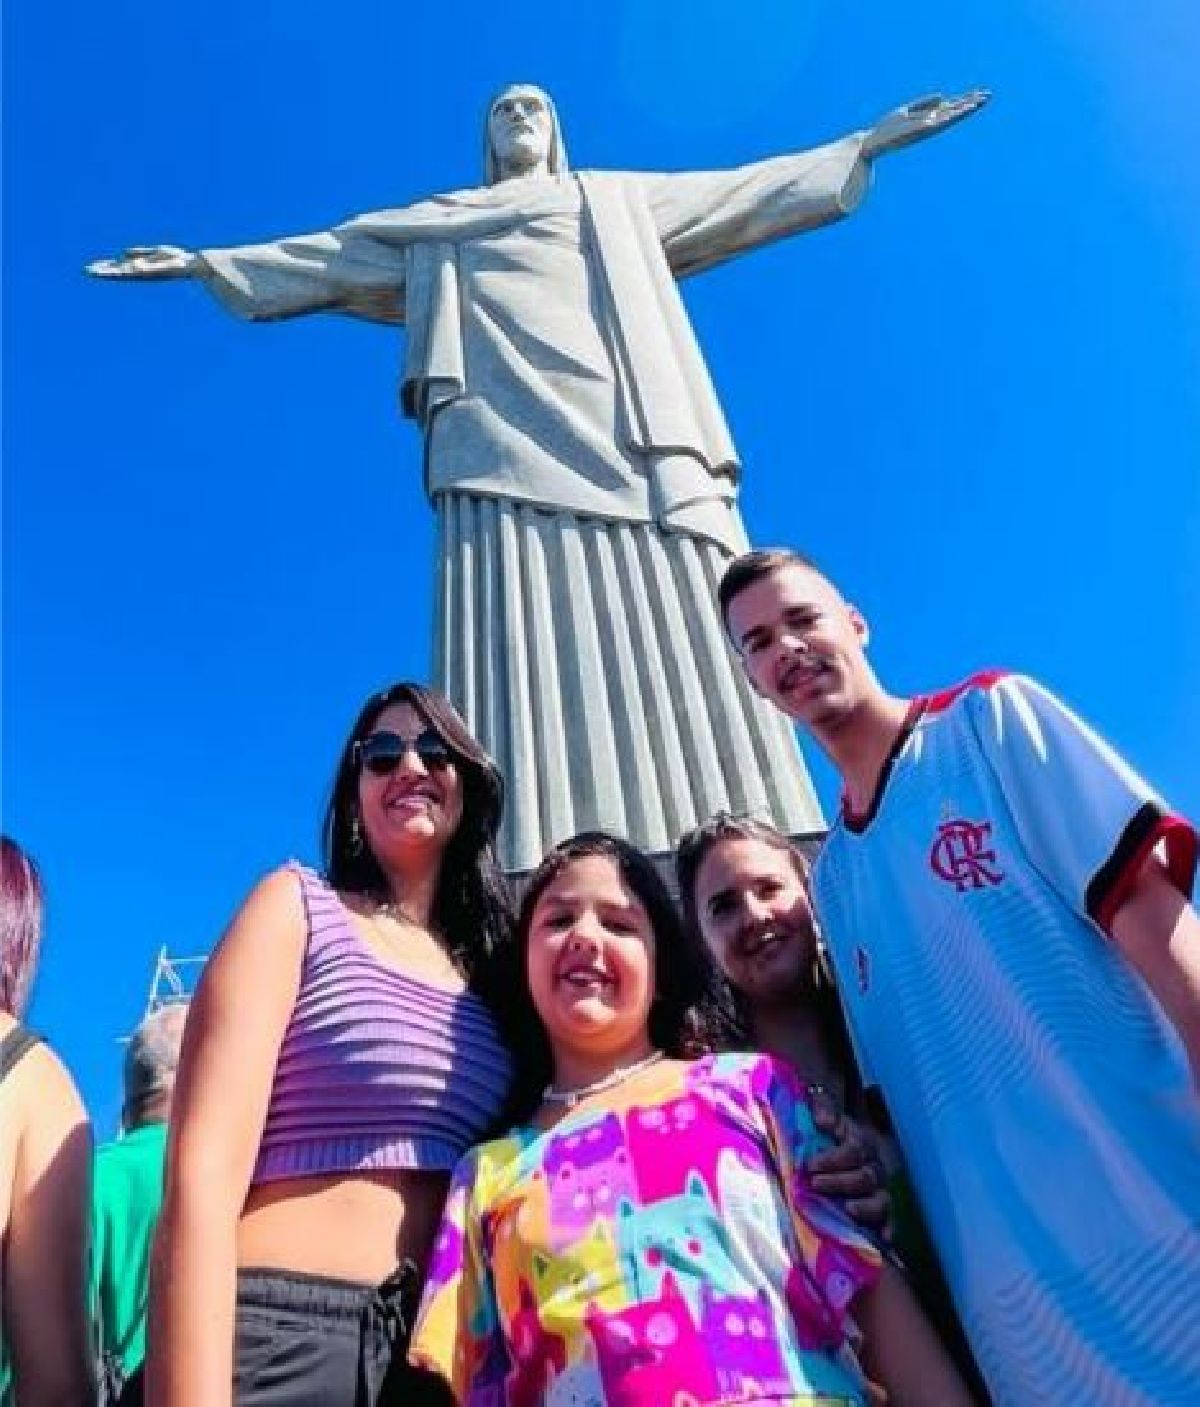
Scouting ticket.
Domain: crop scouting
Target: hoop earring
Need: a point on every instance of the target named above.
(356, 837)
(823, 974)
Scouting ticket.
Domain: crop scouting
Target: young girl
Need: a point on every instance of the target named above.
(651, 1236)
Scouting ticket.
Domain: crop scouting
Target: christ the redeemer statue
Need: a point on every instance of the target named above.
(578, 462)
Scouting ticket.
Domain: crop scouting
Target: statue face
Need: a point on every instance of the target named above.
(520, 130)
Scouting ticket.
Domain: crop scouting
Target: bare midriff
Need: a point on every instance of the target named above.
(350, 1226)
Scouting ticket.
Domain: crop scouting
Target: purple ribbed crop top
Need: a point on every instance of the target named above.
(377, 1069)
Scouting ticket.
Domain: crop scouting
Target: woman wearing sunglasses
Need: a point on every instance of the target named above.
(341, 1054)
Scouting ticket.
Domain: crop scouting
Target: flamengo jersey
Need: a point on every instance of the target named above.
(1043, 1101)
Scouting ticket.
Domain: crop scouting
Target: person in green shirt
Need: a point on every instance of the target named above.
(127, 1196)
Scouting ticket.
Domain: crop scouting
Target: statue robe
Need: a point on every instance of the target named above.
(582, 473)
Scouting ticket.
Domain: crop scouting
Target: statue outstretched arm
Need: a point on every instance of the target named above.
(340, 270)
(147, 261)
(706, 217)
(916, 121)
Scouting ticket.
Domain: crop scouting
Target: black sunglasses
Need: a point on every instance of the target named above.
(381, 753)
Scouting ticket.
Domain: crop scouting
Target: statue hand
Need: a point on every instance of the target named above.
(147, 261)
(924, 118)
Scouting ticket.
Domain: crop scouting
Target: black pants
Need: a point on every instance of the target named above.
(308, 1341)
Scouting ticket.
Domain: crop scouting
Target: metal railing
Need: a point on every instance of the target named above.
(174, 980)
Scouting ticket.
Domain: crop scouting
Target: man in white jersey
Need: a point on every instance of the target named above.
(1006, 904)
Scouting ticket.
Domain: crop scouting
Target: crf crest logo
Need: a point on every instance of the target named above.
(963, 857)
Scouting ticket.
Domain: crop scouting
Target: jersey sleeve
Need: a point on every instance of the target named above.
(837, 1259)
(457, 1333)
(1087, 821)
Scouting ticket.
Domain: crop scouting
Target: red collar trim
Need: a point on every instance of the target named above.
(984, 679)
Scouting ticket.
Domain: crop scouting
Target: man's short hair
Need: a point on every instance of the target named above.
(750, 567)
(151, 1059)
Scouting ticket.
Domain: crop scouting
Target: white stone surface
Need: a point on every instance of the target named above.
(576, 455)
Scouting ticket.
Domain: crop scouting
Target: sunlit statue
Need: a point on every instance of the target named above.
(578, 462)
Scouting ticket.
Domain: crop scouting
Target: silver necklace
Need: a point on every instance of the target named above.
(571, 1097)
(391, 908)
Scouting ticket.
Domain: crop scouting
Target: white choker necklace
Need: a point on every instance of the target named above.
(570, 1097)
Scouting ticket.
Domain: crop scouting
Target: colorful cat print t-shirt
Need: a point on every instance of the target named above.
(660, 1246)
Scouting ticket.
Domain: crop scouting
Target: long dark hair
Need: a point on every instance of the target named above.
(822, 994)
(472, 906)
(20, 925)
(685, 1019)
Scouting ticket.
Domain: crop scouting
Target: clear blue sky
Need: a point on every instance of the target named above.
(978, 401)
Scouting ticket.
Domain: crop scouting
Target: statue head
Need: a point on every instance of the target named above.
(522, 134)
